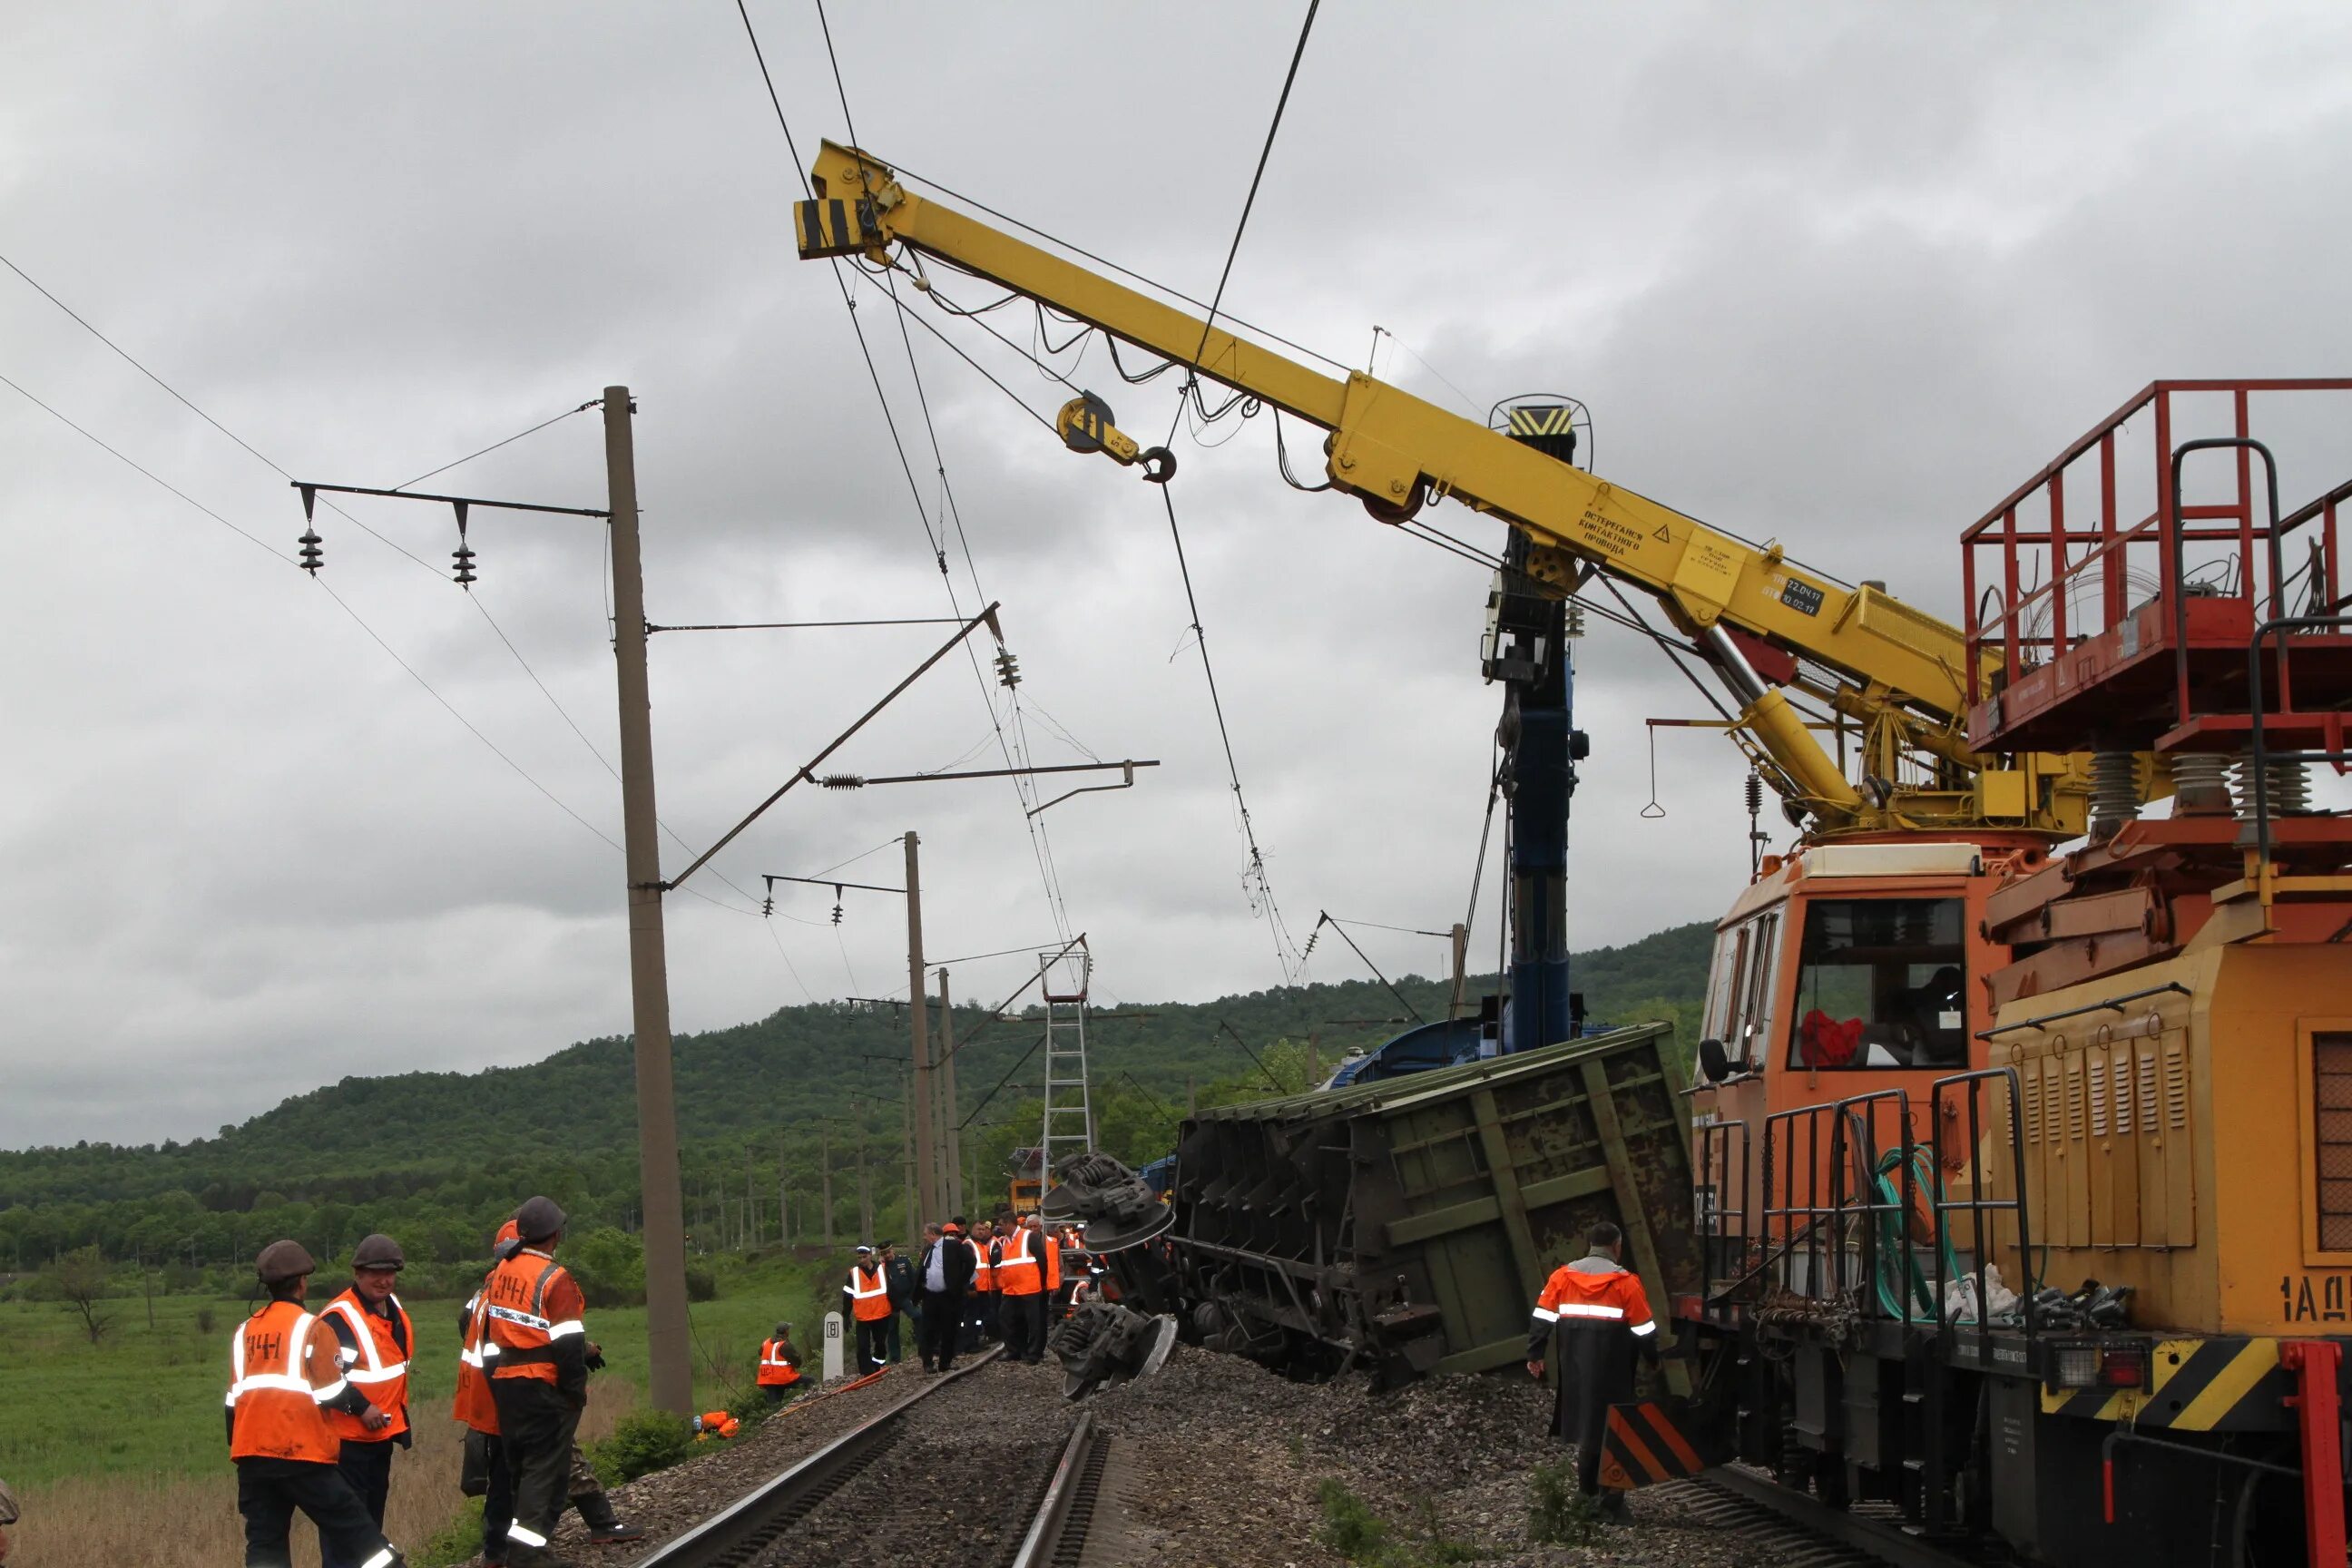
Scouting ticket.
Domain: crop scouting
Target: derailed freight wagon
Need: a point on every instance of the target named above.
(1408, 1225)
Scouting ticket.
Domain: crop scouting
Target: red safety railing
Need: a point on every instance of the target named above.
(2080, 585)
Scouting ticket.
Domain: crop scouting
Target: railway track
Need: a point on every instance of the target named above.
(1790, 1529)
(819, 1510)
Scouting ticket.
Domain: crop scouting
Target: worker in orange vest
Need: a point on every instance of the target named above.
(483, 1472)
(373, 1340)
(282, 1382)
(867, 1298)
(780, 1365)
(981, 1322)
(1021, 1282)
(1594, 1315)
(538, 1377)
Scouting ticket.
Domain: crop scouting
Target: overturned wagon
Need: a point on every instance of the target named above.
(1408, 1223)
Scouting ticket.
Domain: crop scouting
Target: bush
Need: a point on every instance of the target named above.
(205, 1318)
(459, 1541)
(644, 1442)
(1558, 1514)
(1349, 1526)
(751, 1408)
(702, 1285)
(1353, 1530)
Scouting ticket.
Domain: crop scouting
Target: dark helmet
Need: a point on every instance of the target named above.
(378, 1252)
(538, 1219)
(783, 1330)
(283, 1260)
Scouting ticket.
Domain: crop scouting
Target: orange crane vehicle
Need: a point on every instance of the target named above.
(2021, 1137)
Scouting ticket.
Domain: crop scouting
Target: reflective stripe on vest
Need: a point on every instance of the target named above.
(518, 1336)
(384, 1382)
(871, 1306)
(1017, 1273)
(274, 1410)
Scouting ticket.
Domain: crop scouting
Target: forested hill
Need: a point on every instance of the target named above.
(447, 1149)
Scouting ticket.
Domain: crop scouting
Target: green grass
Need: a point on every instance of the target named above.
(148, 1402)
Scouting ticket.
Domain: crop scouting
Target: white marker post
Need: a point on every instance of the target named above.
(833, 1347)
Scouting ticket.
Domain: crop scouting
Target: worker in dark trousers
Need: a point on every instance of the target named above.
(1591, 1321)
(980, 1316)
(372, 1341)
(539, 1381)
(282, 1382)
(780, 1365)
(899, 1275)
(866, 1299)
(1020, 1284)
(946, 1272)
(483, 1471)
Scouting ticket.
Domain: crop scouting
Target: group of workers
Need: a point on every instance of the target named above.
(317, 1404)
(1002, 1279)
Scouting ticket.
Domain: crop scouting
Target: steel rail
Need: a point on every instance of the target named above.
(1859, 1533)
(751, 1521)
(1042, 1547)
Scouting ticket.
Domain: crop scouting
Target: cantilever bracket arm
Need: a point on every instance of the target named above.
(1129, 783)
(986, 617)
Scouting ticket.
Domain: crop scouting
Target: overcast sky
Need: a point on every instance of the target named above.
(1841, 275)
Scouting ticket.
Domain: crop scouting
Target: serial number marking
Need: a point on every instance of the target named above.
(2303, 1304)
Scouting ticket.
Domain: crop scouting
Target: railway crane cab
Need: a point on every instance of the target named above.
(1845, 982)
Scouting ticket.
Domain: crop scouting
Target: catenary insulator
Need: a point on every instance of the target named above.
(312, 556)
(2286, 788)
(2201, 783)
(2114, 792)
(842, 780)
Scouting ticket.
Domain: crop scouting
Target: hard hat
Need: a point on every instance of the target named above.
(378, 1252)
(538, 1219)
(864, 1247)
(282, 1260)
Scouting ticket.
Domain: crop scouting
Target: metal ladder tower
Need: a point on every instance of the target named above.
(1069, 1118)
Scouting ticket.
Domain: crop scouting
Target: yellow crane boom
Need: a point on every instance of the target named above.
(1898, 673)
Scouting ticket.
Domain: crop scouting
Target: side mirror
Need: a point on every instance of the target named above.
(1713, 1062)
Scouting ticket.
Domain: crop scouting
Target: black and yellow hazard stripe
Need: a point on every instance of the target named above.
(2195, 1385)
(831, 227)
(1542, 419)
(1645, 1444)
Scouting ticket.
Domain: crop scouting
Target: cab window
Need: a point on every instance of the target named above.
(1880, 984)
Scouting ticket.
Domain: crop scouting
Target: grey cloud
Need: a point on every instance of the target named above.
(1820, 275)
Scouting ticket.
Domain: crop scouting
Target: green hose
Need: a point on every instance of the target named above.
(1899, 1273)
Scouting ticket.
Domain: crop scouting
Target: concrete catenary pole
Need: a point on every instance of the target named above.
(928, 1197)
(668, 1354)
(1460, 1002)
(951, 1137)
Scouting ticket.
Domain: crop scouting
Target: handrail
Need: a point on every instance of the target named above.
(2112, 1005)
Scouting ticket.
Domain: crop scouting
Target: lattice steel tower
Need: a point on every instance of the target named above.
(1069, 1119)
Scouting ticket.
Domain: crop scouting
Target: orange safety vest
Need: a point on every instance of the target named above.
(1582, 1299)
(775, 1372)
(273, 1388)
(1053, 1262)
(983, 1268)
(517, 1299)
(871, 1299)
(1017, 1273)
(473, 1404)
(378, 1368)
